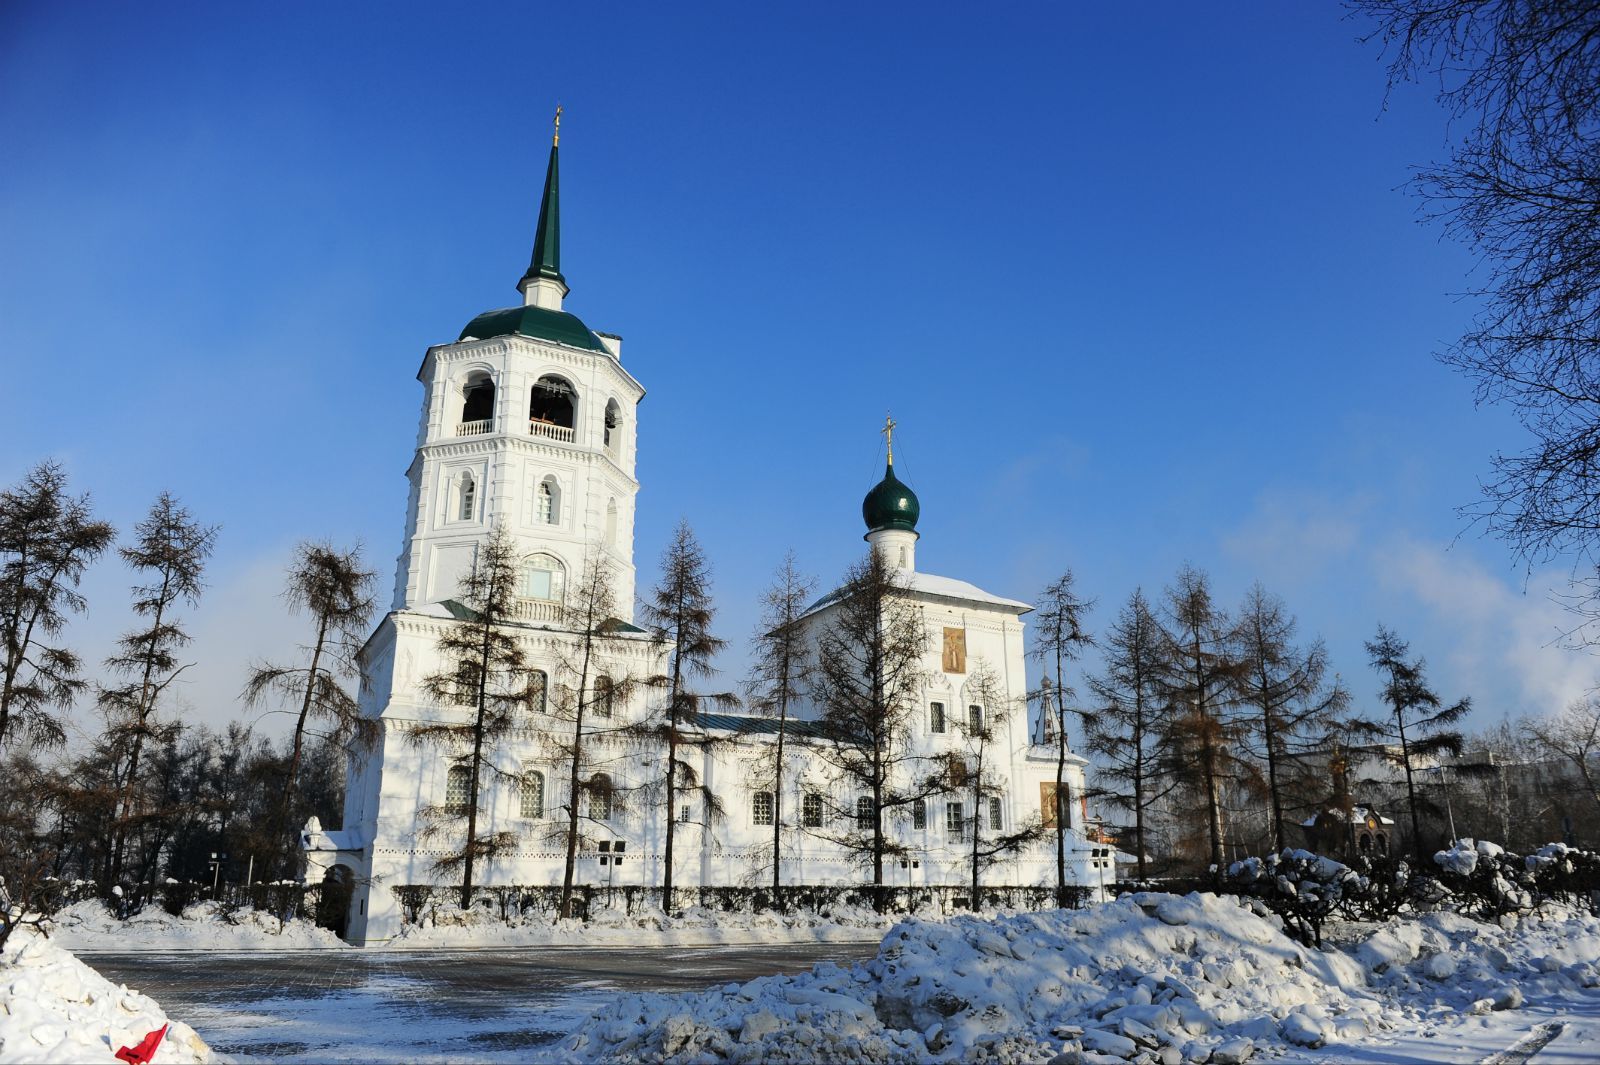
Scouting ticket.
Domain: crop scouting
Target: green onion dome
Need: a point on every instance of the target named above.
(891, 505)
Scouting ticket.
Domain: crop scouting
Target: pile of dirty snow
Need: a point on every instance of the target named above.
(445, 925)
(54, 1008)
(1149, 978)
(89, 926)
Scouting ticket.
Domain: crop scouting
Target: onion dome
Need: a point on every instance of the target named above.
(891, 505)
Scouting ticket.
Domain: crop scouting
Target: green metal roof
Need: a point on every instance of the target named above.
(546, 261)
(891, 505)
(541, 323)
(747, 725)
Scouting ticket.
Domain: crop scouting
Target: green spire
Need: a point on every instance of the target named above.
(546, 260)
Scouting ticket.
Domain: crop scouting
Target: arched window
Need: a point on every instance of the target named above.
(995, 813)
(761, 808)
(600, 797)
(864, 812)
(531, 794)
(611, 522)
(543, 577)
(936, 717)
(547, 502)
(552, 408)
(457, 789)
(613, 434)
(811, 810)
(477, 405)
(538, 691)
(605, 696)
(466, 496)
(919, 815)
(466, 684)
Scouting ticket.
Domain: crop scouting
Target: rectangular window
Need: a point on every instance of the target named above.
(531, 797)
(685, 814)
(936, 717)
(975, 720)
(811, 810)
(457, 789)
(955, 824)
(600, 805)
(919, 815)
(761, 807)
(994, 813)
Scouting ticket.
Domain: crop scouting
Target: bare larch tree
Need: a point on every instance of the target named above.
(485, 673)
(168, 554)
(1060, 637)
(335, 590)
(781, 662)
(47, 539)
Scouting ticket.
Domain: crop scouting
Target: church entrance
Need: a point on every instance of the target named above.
(333, 901)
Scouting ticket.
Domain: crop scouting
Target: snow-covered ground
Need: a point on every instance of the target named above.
(89, 926)
(54, 1008)
(1151, 978)
(448, 927)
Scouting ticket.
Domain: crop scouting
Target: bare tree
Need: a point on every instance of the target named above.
(1418, 720)
(583, 708)
(1573, 735)
(981, 730)
(336, 591)
(1199, 689)
(1059, 637)
(1126, 731)
(1521, 187)
(487, 674)
(783, 657)
(1284, 685)
(679, 614)
(47, 539)
(169, 550)
(867, 683)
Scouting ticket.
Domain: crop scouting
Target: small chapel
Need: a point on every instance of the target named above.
(529, 422)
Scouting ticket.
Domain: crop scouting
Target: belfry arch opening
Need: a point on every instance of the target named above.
(613, 436)
(552, 408)
(477, 404)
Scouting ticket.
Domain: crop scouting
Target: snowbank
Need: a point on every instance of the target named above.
(89, 926)
(54, 1008)
(1152, 978)
(443, 925)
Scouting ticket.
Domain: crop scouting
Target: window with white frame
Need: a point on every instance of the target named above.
(457, 789)
(466, 496)
(994, 813)
(531, 794)
(936, 717)
(975, 720)
(955, 821)
(605, 696)
(547, 502)
(919, 815)
(811, 810)
(538, 691)
(543, 577)
(600, 805)
(864, 812)
(761, 808)
(467, 677)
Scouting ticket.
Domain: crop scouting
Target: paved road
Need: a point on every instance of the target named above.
(426, 1006)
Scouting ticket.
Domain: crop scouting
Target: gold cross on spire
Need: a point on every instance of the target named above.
(556, 140)
(888, 435)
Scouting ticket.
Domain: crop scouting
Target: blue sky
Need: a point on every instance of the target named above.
(1139, 285)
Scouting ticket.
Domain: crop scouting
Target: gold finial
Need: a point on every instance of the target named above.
(888, 434)
(555, 141)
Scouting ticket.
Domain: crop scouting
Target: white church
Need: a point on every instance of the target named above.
(530, 421)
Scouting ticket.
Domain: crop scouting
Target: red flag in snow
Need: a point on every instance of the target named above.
(145, 1051)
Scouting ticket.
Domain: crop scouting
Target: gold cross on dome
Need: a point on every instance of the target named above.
(556, 140)
(888, 435)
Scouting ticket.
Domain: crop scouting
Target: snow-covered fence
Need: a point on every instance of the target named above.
(511, 902)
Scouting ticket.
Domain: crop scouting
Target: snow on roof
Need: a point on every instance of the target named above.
(937, 587)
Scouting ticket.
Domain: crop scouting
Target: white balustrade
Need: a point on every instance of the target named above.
(537, 610)
(477, 428)
(550, 431)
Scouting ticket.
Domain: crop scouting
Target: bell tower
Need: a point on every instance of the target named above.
(528, 420)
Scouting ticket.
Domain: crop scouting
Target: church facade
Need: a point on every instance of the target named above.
(529, 423)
